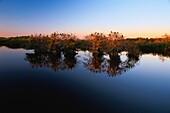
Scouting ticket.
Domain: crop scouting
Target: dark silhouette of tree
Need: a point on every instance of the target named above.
(114, 66)
(52, 60)
(70, 60)
(94, 63)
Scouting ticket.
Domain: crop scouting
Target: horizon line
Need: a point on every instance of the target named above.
(77, 35)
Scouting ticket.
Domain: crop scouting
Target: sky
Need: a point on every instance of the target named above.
(132, 18)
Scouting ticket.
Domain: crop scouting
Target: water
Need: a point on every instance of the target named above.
(82, 82)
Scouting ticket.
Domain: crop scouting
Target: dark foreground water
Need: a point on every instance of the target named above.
(83, 83)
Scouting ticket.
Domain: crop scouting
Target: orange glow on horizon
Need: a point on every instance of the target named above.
(83, 34)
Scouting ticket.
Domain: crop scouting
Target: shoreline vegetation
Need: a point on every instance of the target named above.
(48, 50)
(97, 43)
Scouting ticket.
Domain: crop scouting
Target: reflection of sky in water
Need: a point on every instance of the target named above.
(12, 60)
(154, 66)
(144, 88)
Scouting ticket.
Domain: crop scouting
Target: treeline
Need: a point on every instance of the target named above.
(16, 42)
(98, 43)
(58, 51)
(153, 45)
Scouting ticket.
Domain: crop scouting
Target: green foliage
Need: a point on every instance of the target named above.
(16, 42)
(83, 44)
(97, 43)
(154, 47)
(58, 51)
(40, 43)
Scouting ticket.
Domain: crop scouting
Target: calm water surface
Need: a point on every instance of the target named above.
(83, 83)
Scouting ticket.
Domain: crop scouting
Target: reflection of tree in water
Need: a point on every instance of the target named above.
(95, 62)
(70, 60)
(114, 66)
(55, 61)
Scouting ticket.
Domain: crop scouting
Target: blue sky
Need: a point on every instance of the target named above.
(145, 18)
